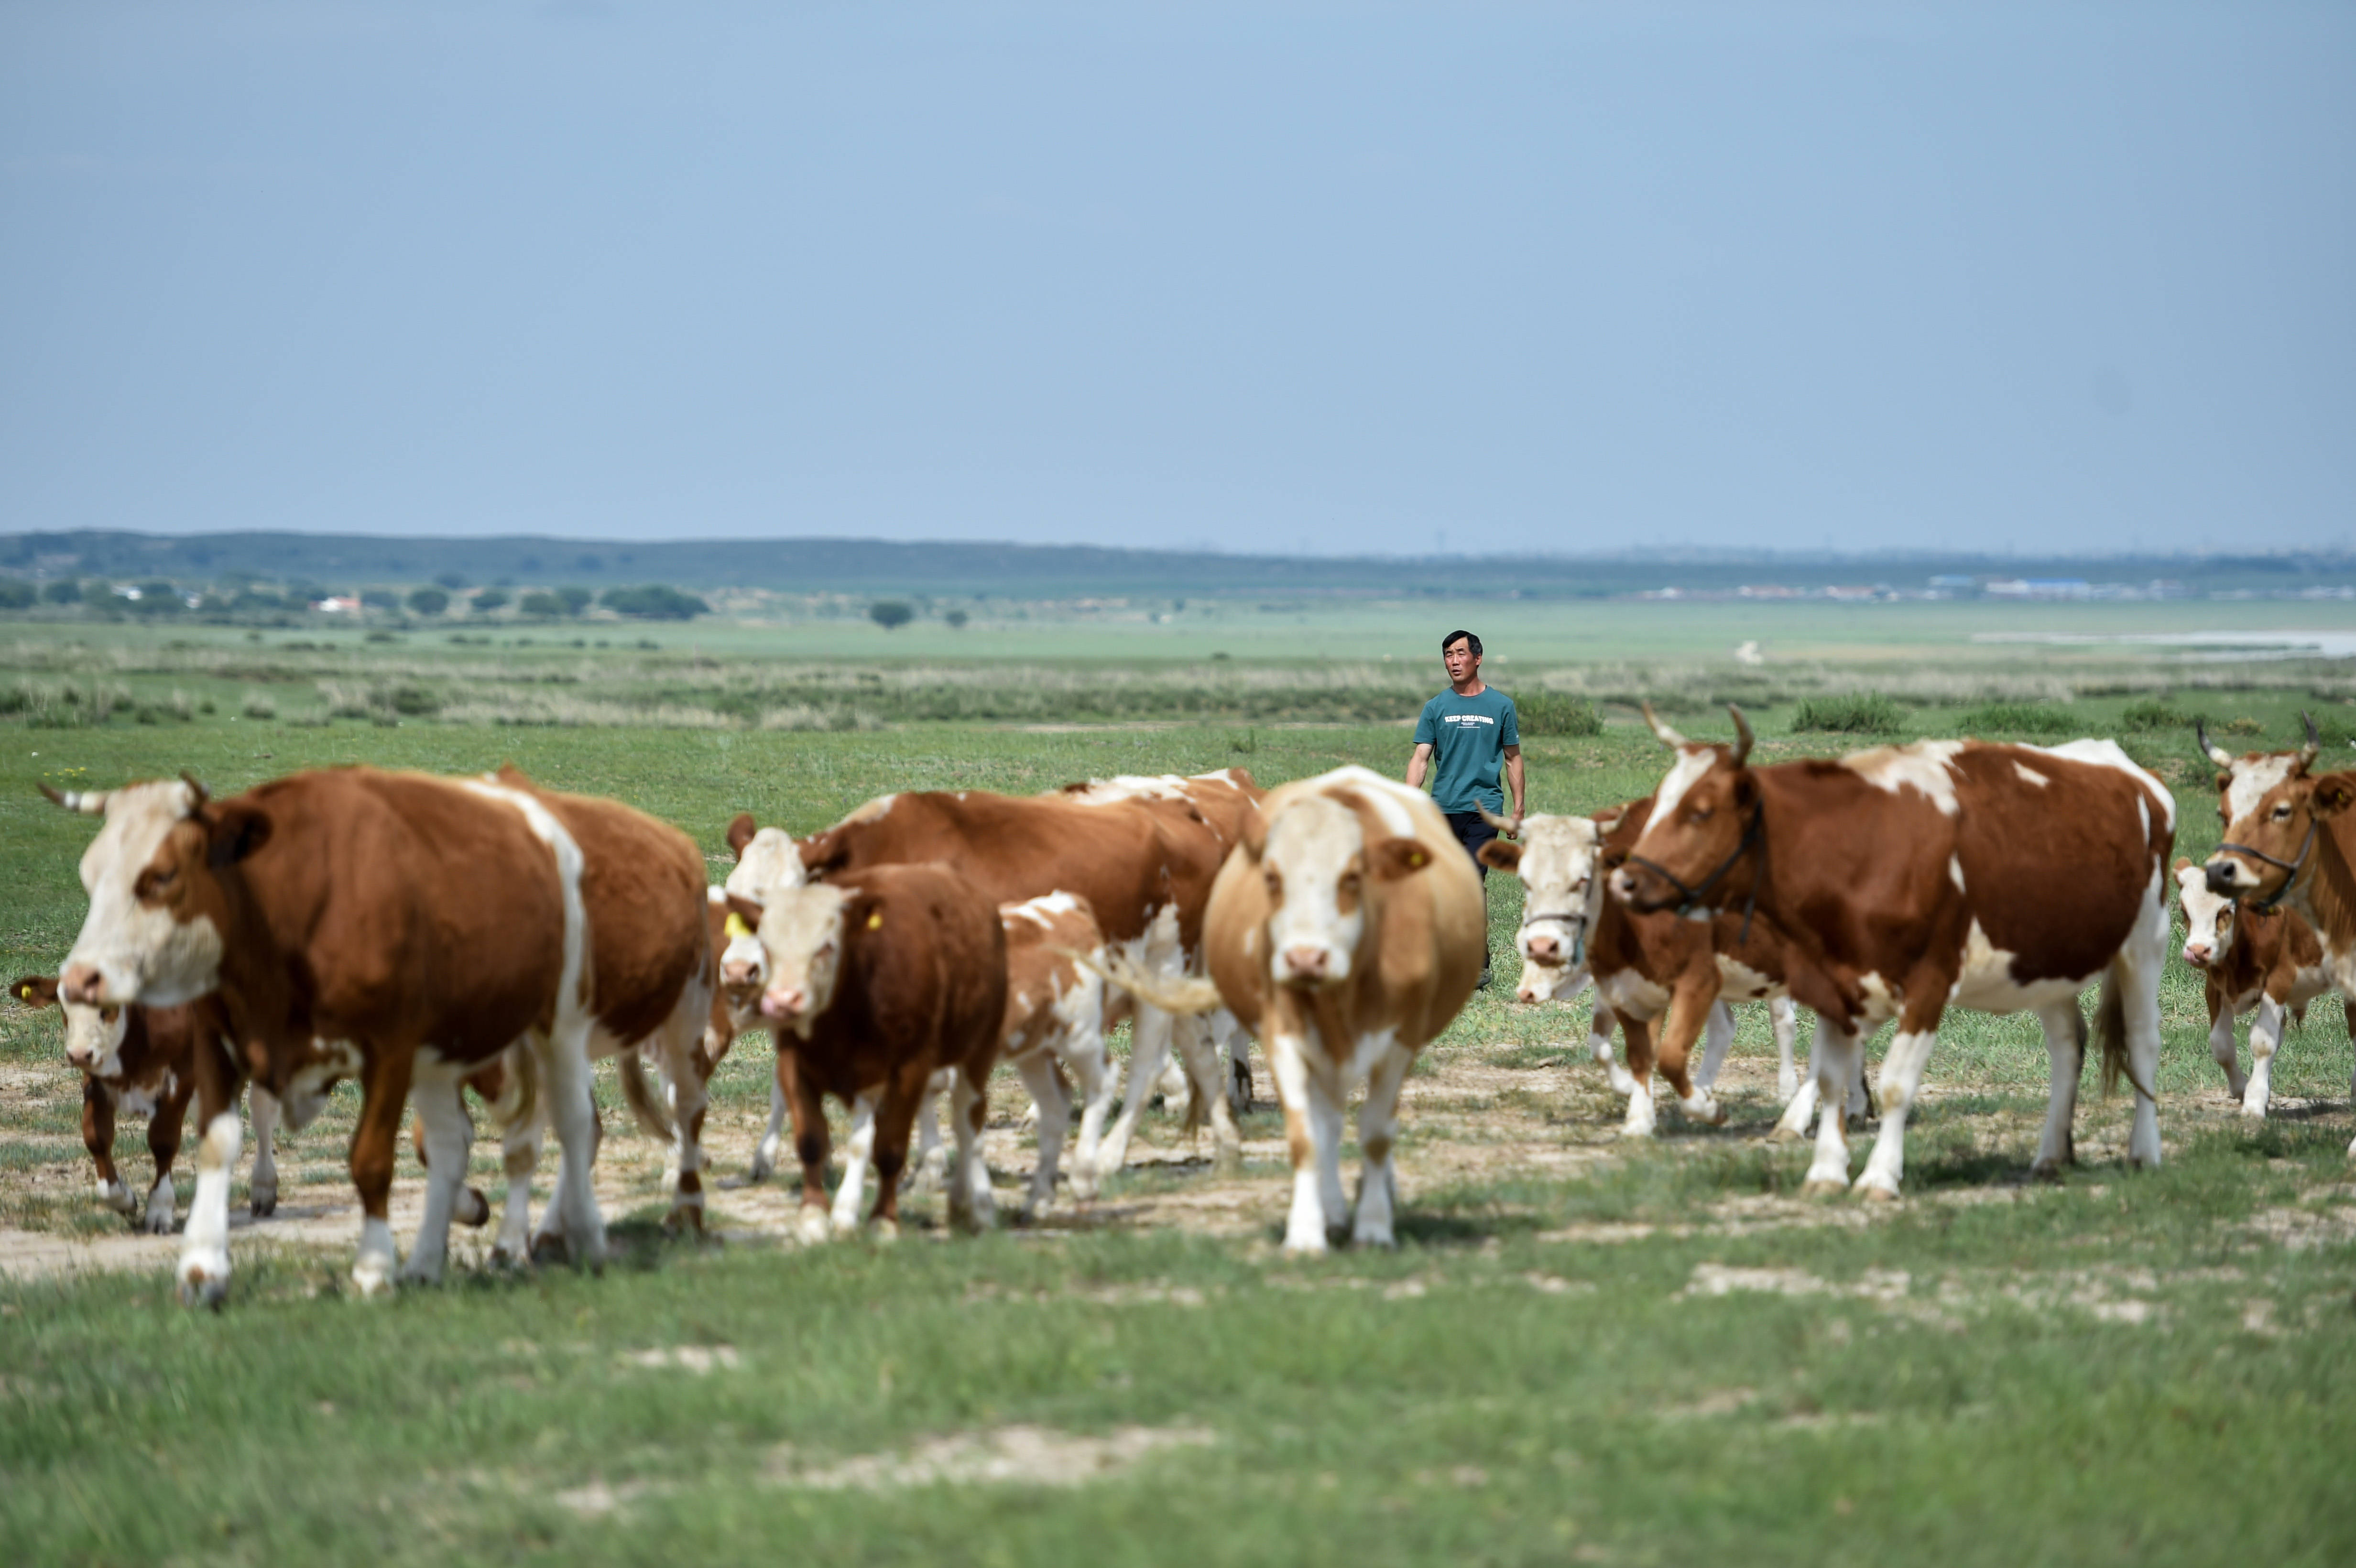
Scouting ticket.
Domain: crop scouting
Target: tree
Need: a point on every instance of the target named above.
(488, 599)
(891, 613)
(64, 590)
(547, 604)
(576, 599)
(429, 600)
(380, 599)
(453, 580)
(15, 593)
(956, 619)
(654, 602)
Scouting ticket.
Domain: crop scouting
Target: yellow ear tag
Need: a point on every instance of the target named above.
(24, 993)
(1416, 858)
(875, 921)
(736, 926)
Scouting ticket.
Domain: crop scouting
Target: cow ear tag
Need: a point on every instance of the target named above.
(875, 921)
(736, 926)
(1415, 858)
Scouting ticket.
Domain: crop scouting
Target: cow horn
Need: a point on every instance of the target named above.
(198, 784)
(1669, 737)
(89, 802)
(1742, 736)
(2217, 754)
(2314, 747)
(1501, 824)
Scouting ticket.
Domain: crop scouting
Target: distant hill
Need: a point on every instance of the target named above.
(1033, 571)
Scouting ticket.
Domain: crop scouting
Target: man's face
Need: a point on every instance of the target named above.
(1461, 661)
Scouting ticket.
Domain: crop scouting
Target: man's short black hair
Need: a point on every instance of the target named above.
(1470, 641)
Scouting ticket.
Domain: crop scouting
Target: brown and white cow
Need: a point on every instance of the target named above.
(138, 1060)
(1345, 930)
(2266, 962)
(2290, 843)
(1646, 968)
(1145, 863)
(1058, 1011)
(355, 922)
(875, 982)
(1911, 879)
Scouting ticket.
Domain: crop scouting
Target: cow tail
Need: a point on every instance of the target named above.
(1172, 994)
(518, 1095)
(644, 1103)
(2111, 1034)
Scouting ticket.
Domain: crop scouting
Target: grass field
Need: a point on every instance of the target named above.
(1583, 1349)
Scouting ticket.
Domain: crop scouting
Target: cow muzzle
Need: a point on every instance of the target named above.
(81, 983)
(2229, 877)
(1641, 891)
(1304, 964)
(784, 1003)
(2198, 954)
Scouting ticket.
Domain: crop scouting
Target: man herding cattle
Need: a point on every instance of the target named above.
(1471, 733)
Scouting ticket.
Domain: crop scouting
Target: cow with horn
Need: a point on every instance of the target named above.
(1943, 873)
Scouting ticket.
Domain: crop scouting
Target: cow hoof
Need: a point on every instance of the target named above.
(412, 1274)
(264, 1205)
(157, 1222)
(372, 1276)
(1708, 1114)
(884, 1230)
(762, 1168)
(1819, 1187)
(2046, 1170)
(1786, 1135)
(1786, 1085)
(549, 1248)
(1870, 1191)
(203, 1287)
(505, 1256)
(471, 1208)
(1369, 1236)
(1299, 1248)
(1227, 1161)
(814, 1226)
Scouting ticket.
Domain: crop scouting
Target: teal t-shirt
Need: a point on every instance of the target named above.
(1468, 737)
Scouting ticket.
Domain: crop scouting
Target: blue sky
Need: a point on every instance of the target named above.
(1266, 276)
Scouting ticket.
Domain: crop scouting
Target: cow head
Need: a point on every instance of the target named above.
(1704, 826)
(1317, 864)
(766, 858)
(2273, 808)
(1559, 862)
(802, 932)
(2208, 917)
(156, 901)
(743, 969)
(94, 1036)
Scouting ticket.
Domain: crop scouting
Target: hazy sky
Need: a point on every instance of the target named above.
(1267, 276)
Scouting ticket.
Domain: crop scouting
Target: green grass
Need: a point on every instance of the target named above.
(1855, 713)
(2122, 1367)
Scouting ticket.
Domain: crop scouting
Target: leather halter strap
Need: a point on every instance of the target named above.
(2290, 868)
(1753, 838)
(1578, 942)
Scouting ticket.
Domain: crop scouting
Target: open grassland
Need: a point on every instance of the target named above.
(1583, 1349)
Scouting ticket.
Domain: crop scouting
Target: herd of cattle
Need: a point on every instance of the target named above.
(426, 936)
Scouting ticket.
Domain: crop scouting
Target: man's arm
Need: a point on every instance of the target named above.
(1514, 782)
(1417, 764)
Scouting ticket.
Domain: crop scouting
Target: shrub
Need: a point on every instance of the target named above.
(157, 598)
(429, 600)
(453, 580)
(15, 593)
(891, 613)
(2153, 714)
(256, 599)
(380, 599)
(1853, 713)
(957, 620)
(64, 590)
(2018, 718)
(654, 603)
(488, 599)
(1557, 713)
(544, 604)
(576, 599)
(259, 705)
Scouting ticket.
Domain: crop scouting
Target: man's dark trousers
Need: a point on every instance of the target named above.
(1473, 832)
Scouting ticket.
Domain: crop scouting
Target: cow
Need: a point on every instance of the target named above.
(1346, 929)
(2290, 843)
(1909, 878)
(2268, 962)
(1144, 860)
(390, 926)
(1058, 1011)
(137, 1060)
(876, 981)
(1643, 967)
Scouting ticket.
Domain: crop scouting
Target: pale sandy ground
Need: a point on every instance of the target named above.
(1468, 1122)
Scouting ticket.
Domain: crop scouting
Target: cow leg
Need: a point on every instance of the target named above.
(1717, 1039)
(2065, 1043)
(263, 1190)
(1194, 1048)
(772, 1136)
(1786, 1015)
(519, 1140)
(1046, 1084)
(1692, 1006)
(932, 1157)
(972, 1205)
(203, 1271)
(1092, 1065)
(572, 1214)
(1312, 1124)
(1377, 1132)
(447, 1134)
(384, 1085)
(885, 1127)
(2137, 972)
(812, 1147)
(164, 1130)
(1235, 1039)
(2265, 1038)
(689, 1071)
(857, 1150)
(1834, 1055)
(1149, 1048)
(1599, 1045)
(1638, 1034)
(98, 1137)
(1902, 1077)
(2221, 1020)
